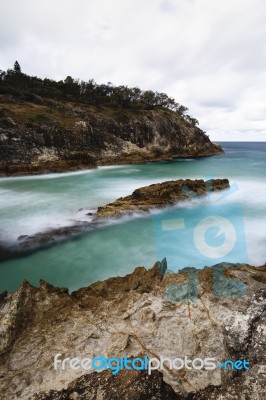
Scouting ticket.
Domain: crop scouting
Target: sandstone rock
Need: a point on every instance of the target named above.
(98, 139)
(128, 385)
(161, 195)
(130, 316)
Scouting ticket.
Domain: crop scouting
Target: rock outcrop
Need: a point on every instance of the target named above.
(158, 195)
(161, 195)
(130, 316)
(128, 385)
(62, 141)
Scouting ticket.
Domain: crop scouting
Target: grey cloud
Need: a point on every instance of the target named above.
(209, 55)
(168, 6)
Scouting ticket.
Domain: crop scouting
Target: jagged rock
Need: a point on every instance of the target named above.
(98, 139)
(7, 123)
(128, 385)
(160, 195)
(130, 316)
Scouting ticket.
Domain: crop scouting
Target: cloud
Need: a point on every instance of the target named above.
(208, 55)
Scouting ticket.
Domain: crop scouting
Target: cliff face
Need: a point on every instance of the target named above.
(68, 138)
(130, 316)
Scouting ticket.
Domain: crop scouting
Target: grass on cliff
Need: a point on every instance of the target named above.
(29, 99)
(64, 114)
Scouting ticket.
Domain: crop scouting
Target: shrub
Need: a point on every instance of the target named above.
(39, 118)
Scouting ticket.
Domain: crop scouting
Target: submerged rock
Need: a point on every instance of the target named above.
(130, 316)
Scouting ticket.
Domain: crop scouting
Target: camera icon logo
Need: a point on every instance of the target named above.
(208, 234)
(218, 228)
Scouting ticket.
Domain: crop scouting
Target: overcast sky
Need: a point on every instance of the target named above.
(210, 55)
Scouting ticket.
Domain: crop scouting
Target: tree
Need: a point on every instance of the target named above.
(148, 98)
(191, 121)
(181, 110)
(69, 80)
(2, 75)
(17, 67)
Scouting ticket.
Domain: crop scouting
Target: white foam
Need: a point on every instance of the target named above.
(52, 175)
(28, 210)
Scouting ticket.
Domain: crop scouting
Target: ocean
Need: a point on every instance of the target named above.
(35, 203)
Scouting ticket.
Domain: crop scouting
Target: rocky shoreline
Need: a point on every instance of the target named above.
(142, 200)
(130, 316)
(75, 136)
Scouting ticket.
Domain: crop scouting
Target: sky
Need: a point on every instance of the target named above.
(210, 55)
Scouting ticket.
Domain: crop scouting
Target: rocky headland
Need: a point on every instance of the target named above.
(131, 316)
(41, 136)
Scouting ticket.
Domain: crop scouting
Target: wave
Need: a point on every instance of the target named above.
(106, 167)
(183, 159)
(30, 209)
(53, 175)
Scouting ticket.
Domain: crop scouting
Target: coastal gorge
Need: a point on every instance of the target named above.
(80, 271)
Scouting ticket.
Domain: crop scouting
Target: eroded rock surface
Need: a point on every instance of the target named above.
(161, 195)
(98, 139)
(128, 385)
(130, 316)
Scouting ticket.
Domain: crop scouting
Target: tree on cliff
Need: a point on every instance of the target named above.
(17, 67)
(30, 88)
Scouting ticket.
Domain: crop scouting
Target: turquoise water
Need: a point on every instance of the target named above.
(33, 204)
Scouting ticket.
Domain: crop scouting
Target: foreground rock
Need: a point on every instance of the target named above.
(130, 316)
(128, 385)
(161, 195)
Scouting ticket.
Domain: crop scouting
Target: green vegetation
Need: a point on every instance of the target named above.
(39, 118)
(33, 89)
